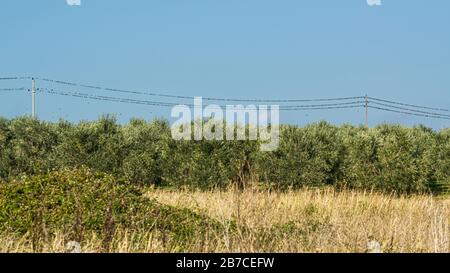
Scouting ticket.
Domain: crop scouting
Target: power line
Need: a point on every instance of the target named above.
(102, 98)
(322, 108)
(191, 97)
(335, 103)
(166, 104)
(93, 97)
(410, 110)
(218, 99)
(407, 113)
(323, 105)
(14, 78)
(169, 104)
(410, 105)
(13, 89)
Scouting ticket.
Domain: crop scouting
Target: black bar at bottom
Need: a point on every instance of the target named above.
(221, 262)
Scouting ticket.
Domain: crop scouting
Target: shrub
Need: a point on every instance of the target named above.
(79, 201)
(386, 158)
(147, 151)
(406, 158)
(306, 157)
(29, 144)
(360, 168)
(5, 148)
(99, 145)
(442, 166)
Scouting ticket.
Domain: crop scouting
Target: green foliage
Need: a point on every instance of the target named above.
(442, 164)
(387, 158)
(79, 201)
(390, 158)
(209, 164)
(25, 146)
(147, 151)
(307, 156)
(99, 145)
(5, 148)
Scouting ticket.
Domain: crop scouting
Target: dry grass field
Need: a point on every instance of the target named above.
(309, 220)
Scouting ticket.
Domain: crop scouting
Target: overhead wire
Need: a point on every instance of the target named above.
(14, 89)
(335, 103)
(170, 104)
(192, 97)
(410, 110)
(407, 113)
(14, 78)
(410, 105)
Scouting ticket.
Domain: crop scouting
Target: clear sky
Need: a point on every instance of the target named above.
(287, 49)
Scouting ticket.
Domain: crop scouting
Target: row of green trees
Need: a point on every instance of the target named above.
(388, 157)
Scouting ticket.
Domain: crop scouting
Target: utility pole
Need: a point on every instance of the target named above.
(366, 106)
(33, 98)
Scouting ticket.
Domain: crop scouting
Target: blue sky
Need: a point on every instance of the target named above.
(288, 49)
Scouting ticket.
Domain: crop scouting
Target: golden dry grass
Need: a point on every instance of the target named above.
(324, 220)
(308, 220)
